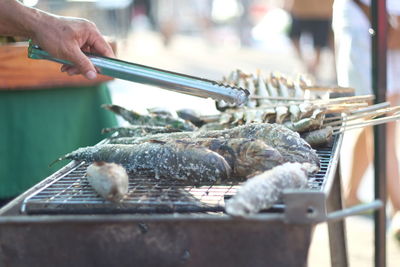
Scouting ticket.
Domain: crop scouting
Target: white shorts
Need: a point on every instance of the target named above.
(353, 51)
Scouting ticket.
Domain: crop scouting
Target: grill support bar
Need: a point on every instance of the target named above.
(337, 229)
(379, 47)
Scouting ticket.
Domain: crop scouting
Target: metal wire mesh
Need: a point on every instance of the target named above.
(72, 194)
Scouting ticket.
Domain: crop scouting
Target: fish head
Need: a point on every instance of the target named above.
(254, 156)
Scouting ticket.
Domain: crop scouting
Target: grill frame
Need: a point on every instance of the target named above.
(172, 239)
(70, 193)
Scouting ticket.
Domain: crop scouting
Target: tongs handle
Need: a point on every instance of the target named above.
(177, 82)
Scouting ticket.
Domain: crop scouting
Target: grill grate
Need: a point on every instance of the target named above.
(71, 194)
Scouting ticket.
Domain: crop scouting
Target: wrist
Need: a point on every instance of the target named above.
(17, 19)
(35, 22)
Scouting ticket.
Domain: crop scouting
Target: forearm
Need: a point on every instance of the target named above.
(19, 20)
(62, 37)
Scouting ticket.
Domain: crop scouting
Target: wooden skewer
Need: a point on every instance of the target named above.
(361, 110)
(326, 106)
(373, 107)
(278, 98)
(340, 129)
(371, 114)
(334, 108)
(348, 99)
(330, 89)
(343, 107)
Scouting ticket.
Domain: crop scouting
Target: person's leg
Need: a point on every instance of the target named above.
(294, 35)
(320, 30)
(361, 159)
(312, 67)
(392, 173)
(166, 19)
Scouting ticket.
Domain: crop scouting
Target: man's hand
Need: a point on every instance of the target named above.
(66, 38)
(62, 37)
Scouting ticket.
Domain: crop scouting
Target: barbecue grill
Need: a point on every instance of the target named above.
(71, 193)
(61, 221)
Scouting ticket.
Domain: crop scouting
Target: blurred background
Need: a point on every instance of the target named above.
(207, 38)
(210, 38)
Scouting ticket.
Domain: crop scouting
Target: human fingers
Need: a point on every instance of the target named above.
(101, 47)
(82, 64)
(64, 68)
(70, 70)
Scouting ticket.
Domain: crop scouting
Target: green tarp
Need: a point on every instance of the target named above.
(38, 126)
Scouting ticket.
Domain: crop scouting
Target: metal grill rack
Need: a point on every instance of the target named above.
(70, 193)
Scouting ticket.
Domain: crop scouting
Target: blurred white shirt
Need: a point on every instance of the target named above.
(113, 4)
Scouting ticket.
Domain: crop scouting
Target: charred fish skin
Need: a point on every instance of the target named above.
(152, 120)
(139, 130)
(244, 156)
(109, 180)
(171, 160)
(263, 190)
(161, 137)
(213, 126)
(190, 115)
(318, 138)
(291, 146)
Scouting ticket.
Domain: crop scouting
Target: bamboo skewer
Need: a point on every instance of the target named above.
(330, 108)
(361, 111)
(334, 108)
(347, 99)
(330, 89)
(371, 114)
(343, 107)
(373, 107)
(256, 97)
(341, 129)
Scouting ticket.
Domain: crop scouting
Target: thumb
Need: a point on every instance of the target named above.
(83, 63)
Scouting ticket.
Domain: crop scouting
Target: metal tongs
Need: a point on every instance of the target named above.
(173, 81)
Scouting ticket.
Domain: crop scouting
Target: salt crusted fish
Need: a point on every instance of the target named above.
(265, 189)
(109, 180)
(152, 120)
(291, 146)
(319, 137)
(174, 160)
(244, 156)
(139, 130)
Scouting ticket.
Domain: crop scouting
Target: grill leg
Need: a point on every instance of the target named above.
(337, 230)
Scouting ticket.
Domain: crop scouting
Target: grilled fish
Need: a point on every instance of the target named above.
(174, 160)
(288, 143)
(109, 180)
(244, 156)
(152, 120)
(139, 130)
(319, 137)
(265, 189)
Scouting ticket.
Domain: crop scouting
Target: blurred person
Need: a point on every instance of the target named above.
(39, 125)
(351, 25)
(173, 15)
(245, 23)
(119, 14)
(145, 7)
(311, 17)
